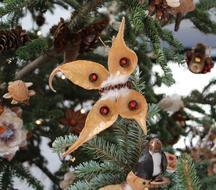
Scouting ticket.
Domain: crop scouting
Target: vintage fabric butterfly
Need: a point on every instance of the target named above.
(116, 96)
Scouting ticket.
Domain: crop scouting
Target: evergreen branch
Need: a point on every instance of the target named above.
(42, 59)
(173, 55)
(98, 181)
(80, 185)
(32, 49)
(153, 110)
(140, 19)
(24, 174)
(138, 82)
(186, 177)
(100, 148)
(91, 169)
(167, 36)
(130, 140)
(205, 5)
(73, 3)
(6, 179)
(202, 21)
(61, 143)
(15, 5)
(82, 13)
(51, 53)
(106, 179)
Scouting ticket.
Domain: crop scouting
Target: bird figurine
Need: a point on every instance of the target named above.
(152, 163)
(147, 173)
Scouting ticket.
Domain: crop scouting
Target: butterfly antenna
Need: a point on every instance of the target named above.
(56, 70)
(103, 43)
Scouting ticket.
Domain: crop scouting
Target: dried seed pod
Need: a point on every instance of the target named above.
(19, 92)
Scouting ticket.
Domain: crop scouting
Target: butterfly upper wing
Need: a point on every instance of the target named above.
(81, 72)
(96, 122)
(121, 59)
(137, 101)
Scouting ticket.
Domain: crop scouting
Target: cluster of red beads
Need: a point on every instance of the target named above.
(117, 86)
(208, 65)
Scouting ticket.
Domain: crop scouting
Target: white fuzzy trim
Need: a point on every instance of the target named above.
(128, 187)
(115, 79)
(113, 94)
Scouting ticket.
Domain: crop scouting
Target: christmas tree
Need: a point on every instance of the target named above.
(106, 153)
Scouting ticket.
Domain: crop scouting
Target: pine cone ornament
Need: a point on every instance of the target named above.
(180, 118)
(198, 61)
(86, 38)
(91, 33)
(161, 9)
(61, 34)
(40, 20)
(74, 119)
(12, 39)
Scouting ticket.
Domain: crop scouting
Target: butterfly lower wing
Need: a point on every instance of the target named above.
(121, 59)
(101, 117)
(86, 74)
(133, 105)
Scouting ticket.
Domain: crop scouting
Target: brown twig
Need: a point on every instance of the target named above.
(45, 58)
(50, 54)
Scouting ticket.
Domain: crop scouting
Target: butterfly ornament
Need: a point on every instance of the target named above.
(117, 97)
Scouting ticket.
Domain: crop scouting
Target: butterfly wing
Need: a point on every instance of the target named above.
(101, 117)
(86, 74)
(121, 60)
(133, 105)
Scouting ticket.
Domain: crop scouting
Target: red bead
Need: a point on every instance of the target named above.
(93, 77)
(124, 62)
(104, 110)
(133, 105)
(2, 129)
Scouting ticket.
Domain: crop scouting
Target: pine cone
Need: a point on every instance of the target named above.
(61, 34)
(12, 39)
(90, 34)
(161, 9)
(40, 20)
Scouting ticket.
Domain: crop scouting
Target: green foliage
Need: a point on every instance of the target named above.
(61, 143)
(109, 157)
(14, 5)
(205, 5)
(32, 49)
(186, 177)
(10, 169)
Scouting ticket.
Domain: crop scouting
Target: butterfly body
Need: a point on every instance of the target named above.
(117, 97)
(115, 86)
